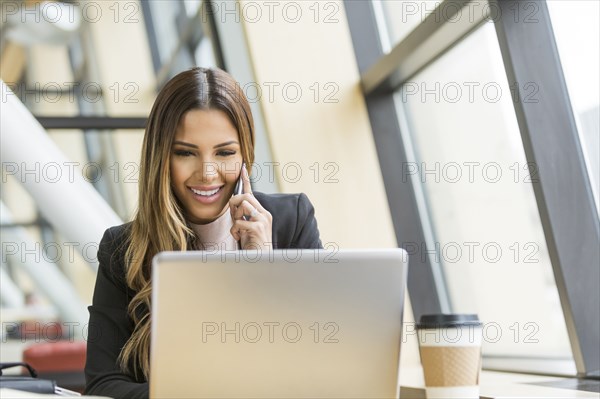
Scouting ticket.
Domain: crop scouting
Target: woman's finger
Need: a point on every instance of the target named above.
(248, 231)
(237, 200)
(242, 228)
(247, 187)
(247, 211)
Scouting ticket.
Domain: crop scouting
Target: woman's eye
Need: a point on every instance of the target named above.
(226, 153)
(183, 153)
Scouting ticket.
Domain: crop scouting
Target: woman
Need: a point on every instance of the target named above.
(199, 133)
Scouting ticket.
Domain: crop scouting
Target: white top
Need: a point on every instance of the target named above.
(216, 235)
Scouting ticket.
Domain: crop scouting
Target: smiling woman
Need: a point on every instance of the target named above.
(205, 153)
(199, 135)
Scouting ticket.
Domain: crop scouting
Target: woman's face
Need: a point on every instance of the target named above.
(205, 163)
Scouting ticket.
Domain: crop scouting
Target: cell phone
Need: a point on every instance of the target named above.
(239, 186)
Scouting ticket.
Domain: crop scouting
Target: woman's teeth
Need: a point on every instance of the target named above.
(206, 193)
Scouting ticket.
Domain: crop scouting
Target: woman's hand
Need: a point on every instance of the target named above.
(252, 224)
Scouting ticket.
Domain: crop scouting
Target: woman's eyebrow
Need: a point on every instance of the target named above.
(185, 144)
(224, 144)
(195, 146)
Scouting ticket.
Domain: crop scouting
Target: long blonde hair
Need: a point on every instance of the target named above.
(159, 223)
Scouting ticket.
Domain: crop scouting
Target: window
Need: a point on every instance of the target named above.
(167, 18)
(576, 26)
(179, 36)
(477, 185)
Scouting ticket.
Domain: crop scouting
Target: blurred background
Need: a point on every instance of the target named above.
(466, 132)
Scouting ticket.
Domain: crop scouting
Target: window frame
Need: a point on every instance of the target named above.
(563, 194)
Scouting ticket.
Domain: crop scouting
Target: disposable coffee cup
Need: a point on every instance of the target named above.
(450, 349)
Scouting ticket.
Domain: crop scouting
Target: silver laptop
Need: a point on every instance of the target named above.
(284, 324)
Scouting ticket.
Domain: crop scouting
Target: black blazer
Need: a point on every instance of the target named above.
(294, 226)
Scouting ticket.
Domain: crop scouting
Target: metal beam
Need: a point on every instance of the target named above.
(91, 122)
(393, 154)
(563, 191)
(439, 31)
(151, 35)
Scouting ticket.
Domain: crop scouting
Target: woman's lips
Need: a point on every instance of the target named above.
(202, 197)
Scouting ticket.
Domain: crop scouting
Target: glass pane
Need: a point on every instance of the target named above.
(400, 17)
(204, 54)
(191, 7)
(576, 27)
(477, 184)
(165, 14)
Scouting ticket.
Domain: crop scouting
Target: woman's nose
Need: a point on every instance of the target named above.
(209, 171)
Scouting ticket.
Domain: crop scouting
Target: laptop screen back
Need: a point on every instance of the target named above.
(287, 324)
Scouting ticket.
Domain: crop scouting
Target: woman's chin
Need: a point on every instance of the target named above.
(208, 217)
